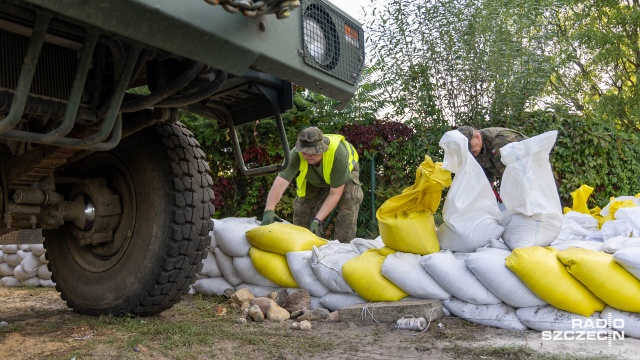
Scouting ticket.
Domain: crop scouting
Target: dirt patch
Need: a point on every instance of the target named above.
(40, 326)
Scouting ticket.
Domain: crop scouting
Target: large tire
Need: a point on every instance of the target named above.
(164, 185)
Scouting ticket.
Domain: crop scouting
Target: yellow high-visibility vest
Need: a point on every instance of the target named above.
(327, 162)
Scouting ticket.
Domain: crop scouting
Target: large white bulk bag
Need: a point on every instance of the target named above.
(470, 211)
(452, 274)
(549, 318)
(225, 263)
(496, 315)
(300, 265)
(248, 272)
(406, 272)
(212, 286)
(528, 191)
(327, 261)
(488, 265)
(230, 234)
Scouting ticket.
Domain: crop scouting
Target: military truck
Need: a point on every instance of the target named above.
(92, 151)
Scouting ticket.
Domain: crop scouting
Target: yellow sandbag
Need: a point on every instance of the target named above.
(406, 221)
(280, 238)
(613, 207)
(606, 279)
(580, 197)
(364, 274)
(273, 266)
(385, 250)
(541, 270)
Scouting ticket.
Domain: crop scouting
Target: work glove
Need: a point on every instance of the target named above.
(268, 217)
(317, 227)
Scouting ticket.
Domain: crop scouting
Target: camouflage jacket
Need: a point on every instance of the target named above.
(493, 139)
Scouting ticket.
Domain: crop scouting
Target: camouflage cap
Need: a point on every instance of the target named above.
(467, 131)
(312, 141)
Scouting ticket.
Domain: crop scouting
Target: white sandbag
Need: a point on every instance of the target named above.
(6, 269)
(300, 265)
(21, 274)
(10, 281)
(38, 249)
(361, 245)
(43, 272)
(619, 242)
(406, 272)
(10, 249)
(43, 258)
(528, 190)
(212, 286)
(628, 258)
(32, 281)
(47, 283)
(452, 274)
(248, 273)
(258, 290)
(586, 221)
(1, 256)
(210, 265)
(30, 263)
(605, 210)
(230, 234)
(615, 228)
(327, 261)
(571, 230)
(584, 244)
(315, 303)
(549, 318)
(214, 242)
(12, 259)
(630, 215)
(497, 315)
(470, 211)
(25, 247)
(498, 244)
(622, 321)
(489, 267)
(336, 301)
(225, 264)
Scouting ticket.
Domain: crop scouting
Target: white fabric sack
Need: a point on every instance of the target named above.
(10, 281)
(615, 228)
(315, 303)
(258, 290)
(210, 265)
(629, 258)
(618, 243)
(361, 245)
(12, 259)
(470, 211)
(1, 256)
(336, 301)
(496, 315)
(32, 281)
(10, 249)
(6, 269)
(43, 258)
(25, 247)
(230, 234)
(30, 263)
(225, 264)
(406, 272)
(498, 244)
(214, 242)
(248, 272)
(300, 265)
(21, 274)
(584, 244)
(43, 272)
(631, 321)
(571, 230)
(37, 249)
(528, 190)
(452, 274)
(489, 267)
(47, 283)
(212, 286)
(605, 210)
(585, 221)
(630, 215)
(327, 261)
(549, 318)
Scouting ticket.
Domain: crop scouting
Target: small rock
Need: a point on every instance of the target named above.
(256, 314)
(316, 314)
(305, 325)
(296, 314)
(273, 296)
(264, 303)
(299, 300)
(241, 321)
(276, 313)
(3, 323)
(242, 295)
(228, 293)
(333, 317)
(245, 305)
(295, 326)
(219, 310)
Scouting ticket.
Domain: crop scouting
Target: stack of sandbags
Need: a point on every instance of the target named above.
(24, 265)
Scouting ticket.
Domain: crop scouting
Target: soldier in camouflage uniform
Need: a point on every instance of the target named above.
(485, 146)
(328, 178)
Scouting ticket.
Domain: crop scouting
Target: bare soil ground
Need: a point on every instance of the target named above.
(40, 326)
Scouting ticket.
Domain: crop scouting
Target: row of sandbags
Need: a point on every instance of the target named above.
(24, 265)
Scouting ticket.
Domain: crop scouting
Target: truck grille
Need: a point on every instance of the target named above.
(332, 42)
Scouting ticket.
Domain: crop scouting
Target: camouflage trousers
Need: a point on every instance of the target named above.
(346, 218)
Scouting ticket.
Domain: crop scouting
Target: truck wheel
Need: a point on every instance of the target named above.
(160, 231)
